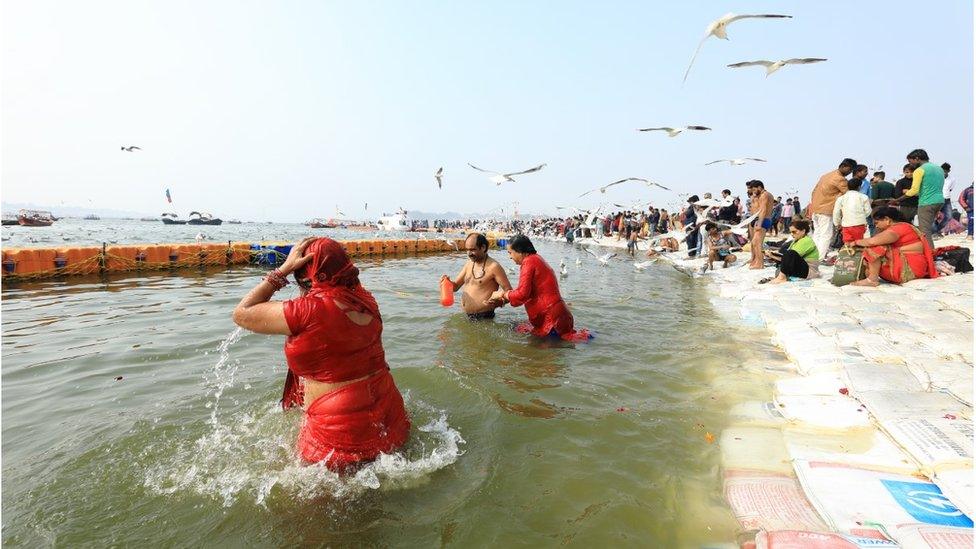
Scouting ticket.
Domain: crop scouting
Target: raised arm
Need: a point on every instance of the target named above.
(255, 312)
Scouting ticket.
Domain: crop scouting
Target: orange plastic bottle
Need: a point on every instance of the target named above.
(447, 292)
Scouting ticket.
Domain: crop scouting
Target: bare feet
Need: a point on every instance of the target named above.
(754, 267)
(778, 280)
(867, 282)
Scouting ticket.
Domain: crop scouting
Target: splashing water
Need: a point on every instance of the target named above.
(248, 451)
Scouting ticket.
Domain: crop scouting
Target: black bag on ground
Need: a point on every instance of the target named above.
(837, 242)
(958, 258)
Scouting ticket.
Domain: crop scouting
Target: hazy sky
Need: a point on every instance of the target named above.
(282, 110)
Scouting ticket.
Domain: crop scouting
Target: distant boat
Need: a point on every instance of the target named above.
(233, 221)
(92, 217)
(148, 219)
(172, 219)
(398, 222)
(321, 224)
(10, 219)
(35, 218)
(203, 219)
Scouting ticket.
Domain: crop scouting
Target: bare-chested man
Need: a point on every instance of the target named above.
(480, 277)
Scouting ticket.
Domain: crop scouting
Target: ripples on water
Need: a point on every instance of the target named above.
(514, 440)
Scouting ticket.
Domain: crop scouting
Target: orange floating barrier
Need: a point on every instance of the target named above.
(120, 258)
(41, 262)
(156, 256)
(240, 252)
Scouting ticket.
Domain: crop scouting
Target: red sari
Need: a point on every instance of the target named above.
(539, 292)
(899, 267)
(356, 422)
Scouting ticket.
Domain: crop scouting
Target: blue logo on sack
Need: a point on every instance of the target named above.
(926, 503)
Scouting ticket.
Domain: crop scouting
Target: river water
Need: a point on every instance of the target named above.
(134, 413)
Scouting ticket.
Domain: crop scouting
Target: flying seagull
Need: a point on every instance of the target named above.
(130, 148)
(773, 66)
(742, 228)
(640, 266)
(439, 176)
(673, 132)
(602, 259)
(499, 178)
(735, 161)
(717, 28)
(604, 188)
(451, 242)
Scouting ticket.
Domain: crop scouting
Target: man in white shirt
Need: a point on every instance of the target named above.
(947, 188)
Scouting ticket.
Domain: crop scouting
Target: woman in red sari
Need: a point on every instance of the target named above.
(337, 368)
(898, 252)
(539, 292)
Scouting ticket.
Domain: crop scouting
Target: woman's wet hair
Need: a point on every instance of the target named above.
(887, 211)
(522, 245)
(801, 225)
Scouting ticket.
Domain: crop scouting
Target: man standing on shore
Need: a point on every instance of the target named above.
(762, 203)
(927, 181)
(831, 185)
(480, 277)
(947, 189)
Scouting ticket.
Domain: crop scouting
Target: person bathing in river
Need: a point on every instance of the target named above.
(480, 277)
(337, 368)
(538, 290)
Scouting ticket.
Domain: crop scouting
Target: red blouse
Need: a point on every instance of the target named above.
(326, 345)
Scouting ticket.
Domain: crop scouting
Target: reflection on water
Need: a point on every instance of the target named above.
(514, 441)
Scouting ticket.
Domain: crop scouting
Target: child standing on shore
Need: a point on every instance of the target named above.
(851, 212)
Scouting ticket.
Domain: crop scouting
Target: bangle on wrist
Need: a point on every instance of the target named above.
(276, 279)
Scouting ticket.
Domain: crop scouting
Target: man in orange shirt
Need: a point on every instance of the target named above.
(762, 203)
(831, 185)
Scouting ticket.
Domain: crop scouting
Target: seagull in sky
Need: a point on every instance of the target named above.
(499, 178)
(339, 213)
(604, 259)
(439, 176)
(717, 28)
(130, 148)
(773, 66)
(604, 188)
(673, 132)
(735, 161)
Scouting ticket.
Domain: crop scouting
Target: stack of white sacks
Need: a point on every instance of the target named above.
(869, 439)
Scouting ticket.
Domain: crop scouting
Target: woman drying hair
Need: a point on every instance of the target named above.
(337, 368)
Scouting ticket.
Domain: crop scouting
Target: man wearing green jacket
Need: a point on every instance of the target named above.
(927, 181)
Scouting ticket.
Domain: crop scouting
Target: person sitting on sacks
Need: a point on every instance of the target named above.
(898, 253)
(337, 368)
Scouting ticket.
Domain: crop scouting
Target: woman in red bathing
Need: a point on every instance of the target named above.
(337, 368)
(539, 292)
